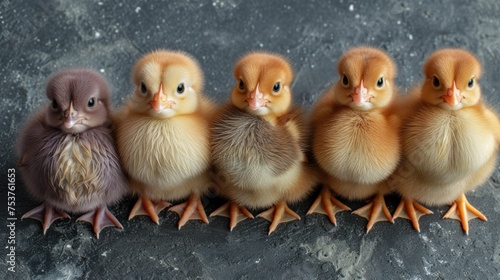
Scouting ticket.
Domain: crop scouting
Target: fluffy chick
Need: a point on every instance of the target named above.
(258, 143)
(163, 134)
(355, 134)
(450, 139)
(67, 154)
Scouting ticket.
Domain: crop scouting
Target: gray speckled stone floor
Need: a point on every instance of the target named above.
(38, 38)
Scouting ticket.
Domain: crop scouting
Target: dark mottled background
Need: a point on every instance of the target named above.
(38, 38)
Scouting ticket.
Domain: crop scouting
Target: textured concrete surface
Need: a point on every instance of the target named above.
(40, 37)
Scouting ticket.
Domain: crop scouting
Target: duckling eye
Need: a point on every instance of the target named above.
(91, 102)
(435, 82)
(144, 90)
(180, 88)
(276, 87)
(345, 80)
(54, 104)
(380, 82)
(470, 84)
(241, 85)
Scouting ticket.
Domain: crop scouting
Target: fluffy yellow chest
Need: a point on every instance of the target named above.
(74, 174)
(163, 151)
(446, 145)
(357, 147)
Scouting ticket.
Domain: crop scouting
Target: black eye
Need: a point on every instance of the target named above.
(345, 81)
(144, 90)
(470, 84)
(241, 85)
(435, 81)
(380, 82)
(276, 87)
(54, 104)
(91, 102)
(180, 88)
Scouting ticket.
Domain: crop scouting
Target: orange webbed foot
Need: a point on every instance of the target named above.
(327, 204)
(145, 206)
(463, 211)
(234, 212)
(46, 214)
(279, 213)
(100, 218)
(192, 209)
(413, 211)
(375, 211)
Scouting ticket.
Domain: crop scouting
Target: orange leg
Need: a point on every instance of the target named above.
(463, 211)
(327, 204)
(279, 213)
(46, 214)
(100, 218)
(147, 207)
(192, 209)
(234, 212)
(375, 211)
(413, 211)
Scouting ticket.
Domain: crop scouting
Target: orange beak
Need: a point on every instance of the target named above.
(256, 99)
(452, 96)
(160, 101)
(70, 116)
(360, 94)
